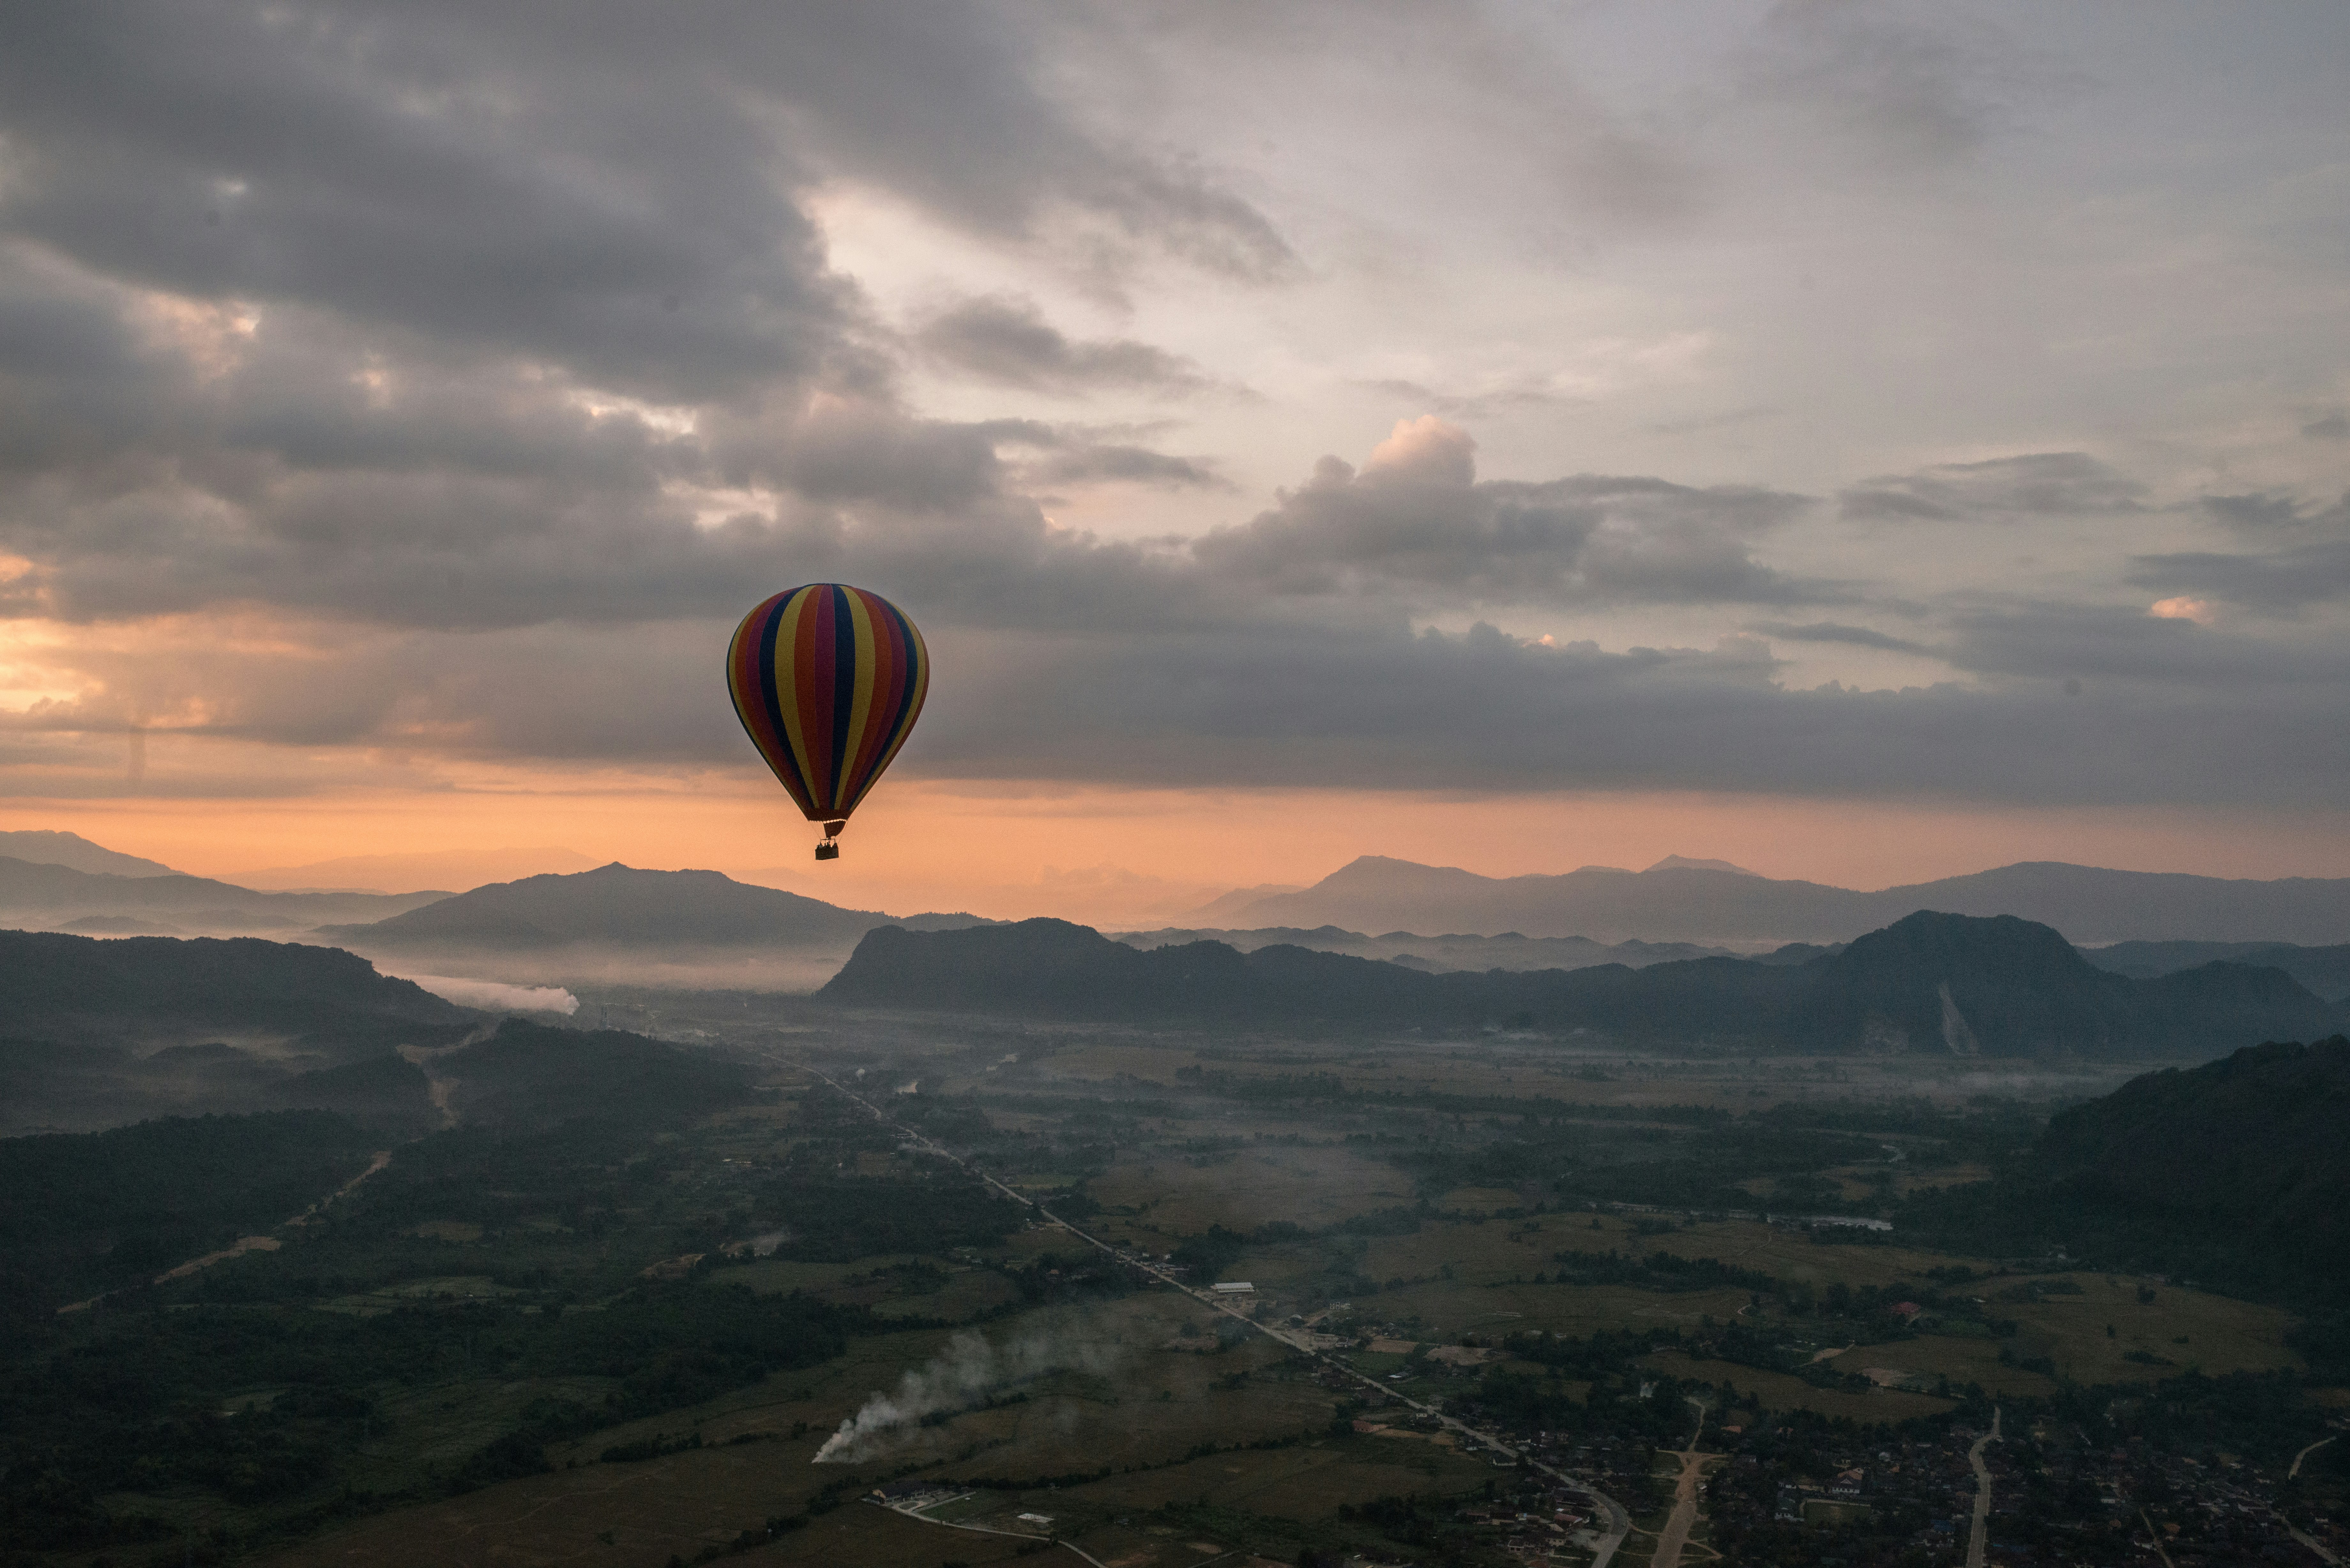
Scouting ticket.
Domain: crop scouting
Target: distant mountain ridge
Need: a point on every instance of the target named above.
(2325, 970)
(54, 895)
(1944, 984)
(623, 905)
(1438, 954)
(45, 848)
(1691, 904)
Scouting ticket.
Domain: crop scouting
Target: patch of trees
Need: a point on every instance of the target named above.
(85, 1212)
(2234, 1174)
(1657, 1272)
(139, 1404)
(533, 1076)
(839, 1221)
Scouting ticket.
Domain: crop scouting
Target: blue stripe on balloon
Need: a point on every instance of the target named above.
(844, 687)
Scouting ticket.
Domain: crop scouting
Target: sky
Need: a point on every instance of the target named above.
(1863, 442)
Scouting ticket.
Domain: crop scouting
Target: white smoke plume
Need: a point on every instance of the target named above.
(966, 1371)
(495, 996)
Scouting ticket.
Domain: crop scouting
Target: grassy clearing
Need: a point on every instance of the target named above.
(2220, 1333)
(1308, 1482)
(1482, 1200)
(1173, 1196)
(1779, 1391)
(1446, 1312)
(1143, 1407)
(1790, 1254)
(1962, 1361)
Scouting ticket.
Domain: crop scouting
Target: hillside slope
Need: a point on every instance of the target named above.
(52, 984)
(53, 894)
(621, 905)
(2235, 1173)
(98, 1033)
(1946, 984)
(44, 848)
(2325, 970)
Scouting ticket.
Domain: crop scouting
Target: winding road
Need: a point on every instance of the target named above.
(1619, 1522)
(1978, 1537)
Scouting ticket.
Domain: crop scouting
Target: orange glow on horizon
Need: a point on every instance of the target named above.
(1096, 853)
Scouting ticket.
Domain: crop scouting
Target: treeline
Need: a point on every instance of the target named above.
(137, 1407)
(2235, 1174)
(86, 1212)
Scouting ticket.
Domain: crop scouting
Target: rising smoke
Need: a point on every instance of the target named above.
(967, 1371)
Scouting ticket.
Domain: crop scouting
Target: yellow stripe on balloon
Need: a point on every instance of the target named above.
(860, 704)
(787, 630)
(913, 707)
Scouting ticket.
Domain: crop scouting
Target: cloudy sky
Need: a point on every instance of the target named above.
(1864, 441)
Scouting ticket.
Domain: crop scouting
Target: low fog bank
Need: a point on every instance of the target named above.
(491, 995)
(790, 971)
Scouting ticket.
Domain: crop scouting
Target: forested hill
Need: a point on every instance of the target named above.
(53, 983)
(2235, 1173)
(1949, 985)
(618, 905)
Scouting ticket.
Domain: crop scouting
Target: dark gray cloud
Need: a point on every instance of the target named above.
(2330, 427)
(1008, 341)
(1911, 89)
(2254, 513)
(1193, 700)
(1416, 521)
(1531, 392)
(2118, 644)
(1101, 464)
(469, 317)
(2274, 513)
(2041, 485)
(491, 357)
(598, 186)
(2283, 582)
(2308, 562)
(1834, 632)
(1382, 707)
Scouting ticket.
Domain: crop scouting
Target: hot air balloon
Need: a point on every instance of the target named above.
(827, 681)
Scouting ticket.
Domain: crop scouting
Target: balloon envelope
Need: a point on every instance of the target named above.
(827, 681)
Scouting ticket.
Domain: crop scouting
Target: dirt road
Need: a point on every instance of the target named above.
(1978, 1537)
(1674, 1537)
(1619, 1520)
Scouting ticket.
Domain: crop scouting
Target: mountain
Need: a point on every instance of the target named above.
(1605, 904)
(1938, 984)
(533, 1076)
(2235, 1173)
(1239, 898)
(96, 1033)
(1686, 903)
(2325, 970)
(43, 847)
(47, 894)
(2005, 987)
(620, 906)
(428, 868)
(56, 985)
(1683, 863)
(1436, 955)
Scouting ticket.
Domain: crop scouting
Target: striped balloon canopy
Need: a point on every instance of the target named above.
(827, 681)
